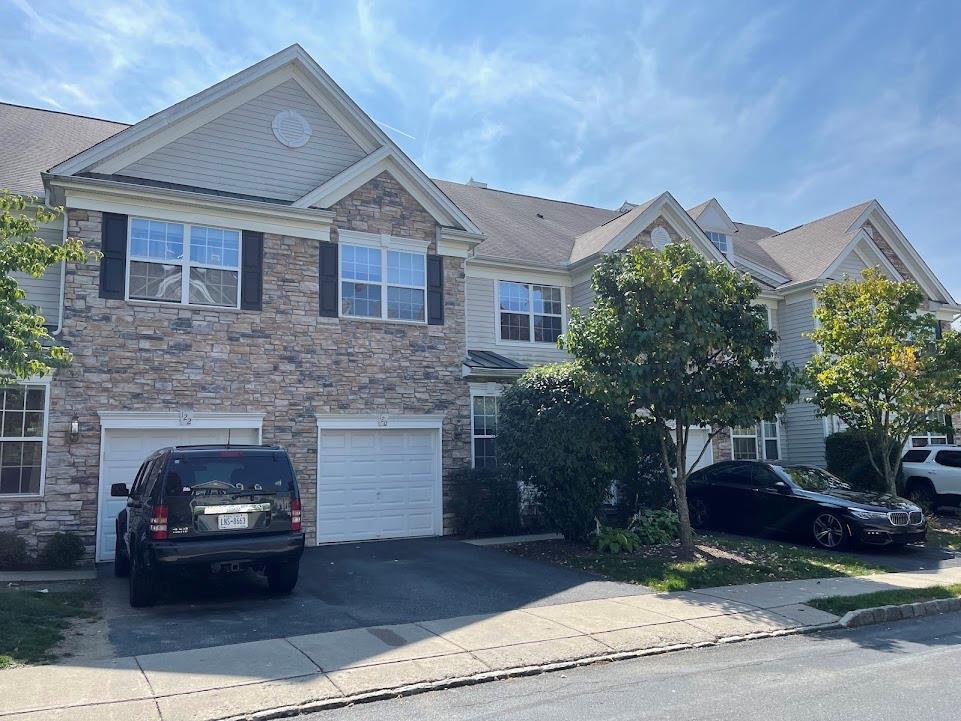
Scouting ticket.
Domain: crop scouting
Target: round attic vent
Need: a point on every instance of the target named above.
(291, 129)
(660, 237)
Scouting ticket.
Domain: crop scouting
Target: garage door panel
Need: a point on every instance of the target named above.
(377, 483)
(123, 452)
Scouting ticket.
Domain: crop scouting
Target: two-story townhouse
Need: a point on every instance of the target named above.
(275, 269)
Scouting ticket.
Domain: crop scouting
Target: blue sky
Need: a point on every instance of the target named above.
(783, 111)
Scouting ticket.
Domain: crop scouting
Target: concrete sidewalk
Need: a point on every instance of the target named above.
(301, 673)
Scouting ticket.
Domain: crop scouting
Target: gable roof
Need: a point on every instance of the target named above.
(596, 239)
(35, 139)
(807, 251)
(117, 152)
(524, 227)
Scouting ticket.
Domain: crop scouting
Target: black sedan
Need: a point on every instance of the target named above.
(804, 501)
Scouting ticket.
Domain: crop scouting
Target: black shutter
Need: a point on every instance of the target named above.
(328, 279)
(435, 290)
(113, 264)
(252, 271)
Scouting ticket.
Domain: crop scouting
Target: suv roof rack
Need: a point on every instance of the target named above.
(225, 446)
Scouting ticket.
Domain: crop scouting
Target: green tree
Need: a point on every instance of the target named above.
(566, 445)
(881, 366)
(26, 348)
(678, 341)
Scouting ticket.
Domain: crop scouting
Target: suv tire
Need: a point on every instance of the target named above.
(121, 563)
(143, 590)
(282, 577)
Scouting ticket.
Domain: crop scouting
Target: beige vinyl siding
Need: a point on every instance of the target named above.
(850, 266)
(803, 440)
(238, 152)
(481, 327)
(44, 292)
(582, 295)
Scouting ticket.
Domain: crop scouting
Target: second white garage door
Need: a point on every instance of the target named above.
(382, 483)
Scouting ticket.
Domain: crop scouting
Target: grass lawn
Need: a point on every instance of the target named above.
(32, 623)
(839, 605)
(945, 531)
(718, 560)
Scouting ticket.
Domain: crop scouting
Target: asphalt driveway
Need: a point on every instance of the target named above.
(345, 586)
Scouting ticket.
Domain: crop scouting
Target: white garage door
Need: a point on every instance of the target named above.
(695, 442)
(124, 449)
(382, 483)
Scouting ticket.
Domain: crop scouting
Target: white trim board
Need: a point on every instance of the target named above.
(198, 208)
(172, 420)
(344, 421)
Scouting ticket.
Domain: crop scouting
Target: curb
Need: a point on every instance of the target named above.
(882, 614)
(518, 672)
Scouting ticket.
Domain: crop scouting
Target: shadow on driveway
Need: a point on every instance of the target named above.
(345, 586)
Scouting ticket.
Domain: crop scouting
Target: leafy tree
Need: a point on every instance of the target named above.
(568, 446)
(678, 341)
(26, 348)
(881, 366)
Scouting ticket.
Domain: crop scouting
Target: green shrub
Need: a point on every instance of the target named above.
(63, 550)
(484, 502)
(647, 486)
(13, 551)
(616, 540)
(846, 454)
(654, 527)
(566, 447)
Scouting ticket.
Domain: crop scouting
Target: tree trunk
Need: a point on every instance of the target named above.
(890, 473)
(683, 514)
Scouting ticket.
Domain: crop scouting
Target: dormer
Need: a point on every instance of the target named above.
(716, 224)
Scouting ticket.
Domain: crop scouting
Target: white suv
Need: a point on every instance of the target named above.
(932, 475)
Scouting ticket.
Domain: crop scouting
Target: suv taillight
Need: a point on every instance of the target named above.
(295, 515)
(158, 523)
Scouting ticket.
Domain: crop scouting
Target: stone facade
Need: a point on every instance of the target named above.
(284, 361)
(721, 446)
(643, 238)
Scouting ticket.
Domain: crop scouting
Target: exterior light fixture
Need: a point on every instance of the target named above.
(74, 433)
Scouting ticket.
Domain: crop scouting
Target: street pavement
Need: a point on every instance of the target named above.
(904, 671)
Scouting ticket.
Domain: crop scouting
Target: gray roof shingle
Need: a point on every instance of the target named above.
(596, 239)
(35, 140)
(524, 227)
(808, 250)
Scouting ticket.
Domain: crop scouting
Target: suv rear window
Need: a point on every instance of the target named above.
(949, 458)
(226, 472)
(915, 456)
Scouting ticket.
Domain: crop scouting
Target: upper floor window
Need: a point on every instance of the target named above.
(178, 263)
(382, 282)
(720, 240)
(22, 436)
(530, 312)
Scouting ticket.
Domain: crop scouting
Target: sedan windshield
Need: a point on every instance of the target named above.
(813, 479)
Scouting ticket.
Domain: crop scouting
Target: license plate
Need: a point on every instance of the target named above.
(231, 521)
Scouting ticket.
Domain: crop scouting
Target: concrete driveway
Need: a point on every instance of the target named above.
(345, 586)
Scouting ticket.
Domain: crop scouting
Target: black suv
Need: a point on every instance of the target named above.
(217, 508)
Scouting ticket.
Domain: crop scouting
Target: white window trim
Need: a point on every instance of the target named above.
(776, 438)
(185, 265)
(727, 240)
(384, 243)
(530, 314)
(481, 390)
(45, 382)
(753, 436)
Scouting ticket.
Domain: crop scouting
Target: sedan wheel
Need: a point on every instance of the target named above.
(829, 531)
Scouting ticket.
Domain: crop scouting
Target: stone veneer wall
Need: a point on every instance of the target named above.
(284, 361)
